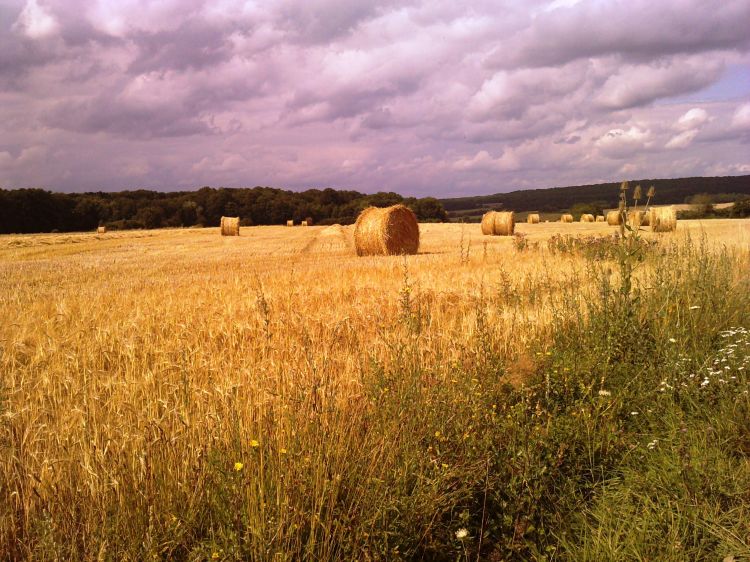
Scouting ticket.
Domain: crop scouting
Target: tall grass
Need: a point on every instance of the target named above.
(225, 419)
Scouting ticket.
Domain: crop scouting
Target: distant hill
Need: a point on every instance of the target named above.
(556, 199)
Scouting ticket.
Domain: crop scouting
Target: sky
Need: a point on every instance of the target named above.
(425, 98)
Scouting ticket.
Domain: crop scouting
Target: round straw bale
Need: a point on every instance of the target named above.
(635, 218)
(386, 231)
(600, 218)
(101, 230)
(290, 223)
(663, 219)
(303, 223)
(614, 218)
(646, 218)
(566, 218)
(488, 222)
(533, 218)
(587, 217)
(230, 226)
(504, 223)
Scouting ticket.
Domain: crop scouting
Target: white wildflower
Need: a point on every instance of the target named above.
(461, 534)
(605, 393)
(672, 340)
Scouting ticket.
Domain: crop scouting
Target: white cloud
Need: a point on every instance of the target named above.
(682, 140)
(694, 118)
(741, 117)
(640, 84)
(35, 21)
(621, 143)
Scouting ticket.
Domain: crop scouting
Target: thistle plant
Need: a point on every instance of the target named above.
(622, 207)
(637, 194)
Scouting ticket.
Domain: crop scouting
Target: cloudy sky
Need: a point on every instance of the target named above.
(431, 97)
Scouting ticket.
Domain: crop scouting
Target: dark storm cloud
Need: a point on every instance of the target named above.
(192, 45)
(322, 21)
(635, 30)
(103, 114)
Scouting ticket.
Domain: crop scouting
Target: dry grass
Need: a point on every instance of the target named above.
(129, 359)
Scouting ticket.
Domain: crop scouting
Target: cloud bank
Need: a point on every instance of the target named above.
(423, 98)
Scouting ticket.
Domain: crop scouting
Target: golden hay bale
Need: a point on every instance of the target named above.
(488, 223)
(635, 218)
(101, 230)
(587, 217)
(386, 231)
(290, 223)
(499, 223)
(646, 218)
(504, 223)
(663, 219)
(333, 230)
(230, 226)
(600, 218)
(303, 223)
(566, 218)
(533, 218)
(614, 218)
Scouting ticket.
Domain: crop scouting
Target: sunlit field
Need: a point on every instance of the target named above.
(175, 394)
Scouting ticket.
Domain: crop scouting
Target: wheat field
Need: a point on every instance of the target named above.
(152, 380)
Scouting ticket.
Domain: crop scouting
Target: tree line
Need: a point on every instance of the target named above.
(38, 210)
(602, 195)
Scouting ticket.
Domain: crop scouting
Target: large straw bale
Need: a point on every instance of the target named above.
(488, 223)
(614, 218)
(566, 218)
(587, 217)
(230, 226)
(635, 218)
(499, 223)
(663, 219)
(386, 231)
(533, 218)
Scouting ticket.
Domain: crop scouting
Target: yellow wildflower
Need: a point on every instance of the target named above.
(238, 466)
(254, 443)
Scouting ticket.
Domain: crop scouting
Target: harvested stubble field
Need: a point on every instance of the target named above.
(176, 394)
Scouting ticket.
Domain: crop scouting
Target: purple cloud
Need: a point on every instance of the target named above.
(425, 98)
